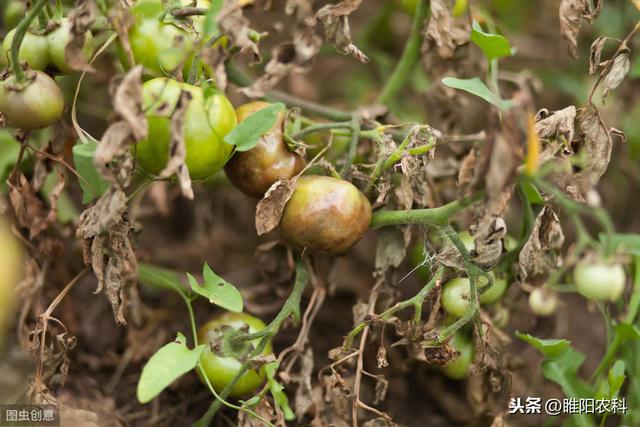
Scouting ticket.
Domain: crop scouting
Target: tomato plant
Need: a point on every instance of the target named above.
(458, 368)
(207, 119)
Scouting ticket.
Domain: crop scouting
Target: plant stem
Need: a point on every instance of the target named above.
(409, 57)
(290, 307)
(320, 127)
(414, 301)
(353, 148)
(18, 36)
(237, 77)
(433, 216)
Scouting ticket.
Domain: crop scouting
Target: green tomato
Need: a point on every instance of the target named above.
(220, 362)
(162, 48)
(11, 268)
(543, 302)
(34, 50)
(326, 215)
(58, 40)
(456, 294)
(206, 122)
(600, 280)
(13, 14)
(36, 105)
(458, 368)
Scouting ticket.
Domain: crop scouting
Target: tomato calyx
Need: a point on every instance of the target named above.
(225, 341)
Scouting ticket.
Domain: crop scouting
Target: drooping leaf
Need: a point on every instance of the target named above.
(493, 45)
(169, 363)
(548, 347)
(246, 135)
(628, 243)
(615, 379)
(159, 277)
(217, 290)
(92, 183)
(476, 87)
(277, 391)
(211, 28)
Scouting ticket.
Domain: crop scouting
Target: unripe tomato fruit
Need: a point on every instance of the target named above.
(255, 170)
(543, 302)
(58, 40)
(600, 280)
(456, 294)
(34, 50)
(326, 214)
(11, 268)
(34, 106)
(206, 122)
(160, 47)
(458, 368)
(220, 361)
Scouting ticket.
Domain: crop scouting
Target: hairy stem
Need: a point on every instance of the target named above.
(434, 216)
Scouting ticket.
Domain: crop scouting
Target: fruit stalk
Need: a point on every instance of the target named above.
(21, 30)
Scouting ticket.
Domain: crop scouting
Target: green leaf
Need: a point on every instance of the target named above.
(210, 24)
(533, 195)
(168, 364)
(493, 45)
(476, 87)
(625, 242)
(9, 152)
(92, 183)
(615, 379)
(159, 277)
(549, 348)
(277, 391)
(247, 133)
(217, 290)
(626, 332)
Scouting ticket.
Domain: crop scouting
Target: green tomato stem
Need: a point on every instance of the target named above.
(320, 127)
(410, 56)
(290, 307)
(353, 148)
(21, 31)
(434, 216)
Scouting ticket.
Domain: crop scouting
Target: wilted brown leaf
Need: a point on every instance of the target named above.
(235, 26)
(335, 18)
(596, 53)
(30, 210)
(596, 144)
(270, 208)
(81, 18)
(488, 235)
(617, 72)
(572, 13)
(127, 103)
(553, 125)
(391, 248)
(538, 256)
(440, 28)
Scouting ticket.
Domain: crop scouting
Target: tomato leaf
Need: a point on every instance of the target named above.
(246, 135)
(92, 183)
(493, 45)
(217, 290)
(168, 364)
(476, 87)
(277, 391)
(158, 277)
(615, 379)
(629, 243)
(549, 347)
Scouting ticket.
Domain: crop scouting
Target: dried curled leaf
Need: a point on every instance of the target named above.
(596, 53)
(127, 103)
(552, 126)
(335, 19)
(442, 30)
(287, 57)
(538, 256)
(105, 234)
(617, 72)
(30, 211)
(488, 235)
(235, 26)
(270, 208)
(81, 19)
(572, 13)
(596, 144)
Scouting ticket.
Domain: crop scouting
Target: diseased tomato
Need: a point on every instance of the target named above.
(326, 214)
(255, 170)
